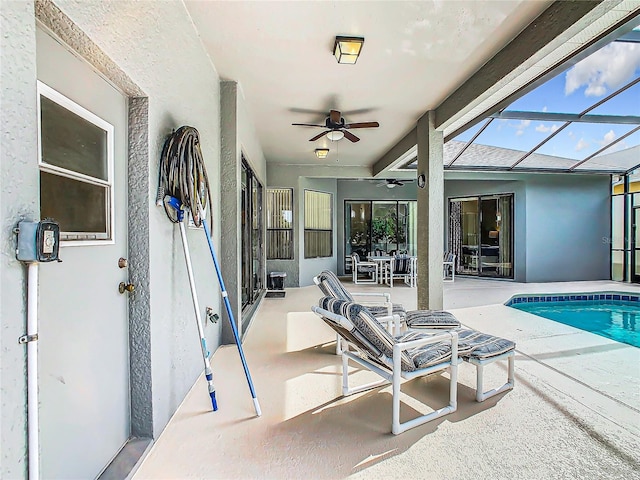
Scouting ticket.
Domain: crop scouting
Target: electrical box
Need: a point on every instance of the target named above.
(38, 241)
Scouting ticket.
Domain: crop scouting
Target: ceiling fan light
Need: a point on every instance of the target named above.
(391, 185)
(335, 135)
(347, 49)
(322, 152)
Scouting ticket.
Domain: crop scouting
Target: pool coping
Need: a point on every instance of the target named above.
(569, 297)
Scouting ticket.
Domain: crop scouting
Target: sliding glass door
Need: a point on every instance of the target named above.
(252, 239)
(481, 235)
(379, 227)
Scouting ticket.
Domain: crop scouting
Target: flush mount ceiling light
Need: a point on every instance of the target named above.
(322, 152)
(347, 49)
(335, 135)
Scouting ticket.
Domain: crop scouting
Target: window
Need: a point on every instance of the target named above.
(76, 168)
(318, 233)
(279, 224)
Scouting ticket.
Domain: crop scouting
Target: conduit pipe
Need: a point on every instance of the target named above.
(32, 371)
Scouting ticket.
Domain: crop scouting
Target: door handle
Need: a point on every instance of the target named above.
(128, 287)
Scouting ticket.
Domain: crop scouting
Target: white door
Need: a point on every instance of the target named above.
(83, 329)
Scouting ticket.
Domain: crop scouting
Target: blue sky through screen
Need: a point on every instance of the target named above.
(574, 91)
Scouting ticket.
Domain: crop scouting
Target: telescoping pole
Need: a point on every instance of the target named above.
(173, 202)
(232, 320)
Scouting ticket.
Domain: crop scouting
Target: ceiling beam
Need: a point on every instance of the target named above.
(568, 117)
(409, 141)
(540, 34)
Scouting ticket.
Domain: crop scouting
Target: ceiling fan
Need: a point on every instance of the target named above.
(336, 128)
(392, 183)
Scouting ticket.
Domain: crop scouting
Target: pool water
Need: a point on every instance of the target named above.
(614, 319)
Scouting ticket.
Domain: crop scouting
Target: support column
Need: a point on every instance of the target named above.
(230, 180)
(430, 213)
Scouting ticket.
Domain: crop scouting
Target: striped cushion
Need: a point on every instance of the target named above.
(427, 355)
(331, 286)
(402, 264)
(431, 319)
(474, 344)
(370, 329)
(346, 329)
(382, 311)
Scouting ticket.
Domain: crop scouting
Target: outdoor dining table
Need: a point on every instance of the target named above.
(383, 260)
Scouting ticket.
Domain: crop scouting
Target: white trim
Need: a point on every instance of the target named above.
(55, 96)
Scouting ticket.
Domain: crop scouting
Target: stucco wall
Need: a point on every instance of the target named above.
(238, 139)
(156, 45)
(560, 222)
(568, 222)
(19, 193)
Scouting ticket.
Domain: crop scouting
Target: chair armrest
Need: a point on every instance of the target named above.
(450, 335)
(386, 295)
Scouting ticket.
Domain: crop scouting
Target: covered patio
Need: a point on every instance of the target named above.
(573, 412)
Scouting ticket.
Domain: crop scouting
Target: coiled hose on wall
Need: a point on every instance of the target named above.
(183, 175)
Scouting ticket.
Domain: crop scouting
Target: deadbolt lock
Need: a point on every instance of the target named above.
(122, 263)
(128, 287)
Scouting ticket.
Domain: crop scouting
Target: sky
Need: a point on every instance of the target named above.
(573, 91)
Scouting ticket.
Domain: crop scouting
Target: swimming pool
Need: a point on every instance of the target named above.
(614, 315)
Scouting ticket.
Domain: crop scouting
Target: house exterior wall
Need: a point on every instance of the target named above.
(568, 224)
(238, 138)
(561, 222)
(157, 47)
(19, 193)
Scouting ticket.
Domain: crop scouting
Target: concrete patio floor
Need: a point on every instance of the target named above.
(574, 413)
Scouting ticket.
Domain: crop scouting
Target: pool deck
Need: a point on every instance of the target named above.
(574, 413)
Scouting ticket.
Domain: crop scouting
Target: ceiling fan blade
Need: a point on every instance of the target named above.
(350, 136)
(320, 135)
(334, 116)
(362, 125)
(307, 125)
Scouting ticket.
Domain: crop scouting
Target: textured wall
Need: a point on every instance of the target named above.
(156, 47)
(19, 192)
(560, 222)
(230, 175)
(568, 224)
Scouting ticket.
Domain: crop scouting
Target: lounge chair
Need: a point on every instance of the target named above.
(412, 355)
(371, 348)
(383, 309)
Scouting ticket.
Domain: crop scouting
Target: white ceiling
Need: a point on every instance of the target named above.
(414, 56)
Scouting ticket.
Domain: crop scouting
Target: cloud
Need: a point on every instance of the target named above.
(522, 126)
(607, 69)
(544, 129)
(571, 135)
(581, 145)
(609, 137)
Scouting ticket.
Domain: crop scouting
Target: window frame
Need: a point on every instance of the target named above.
(290, 229)
(330, 230)
(76, 238)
